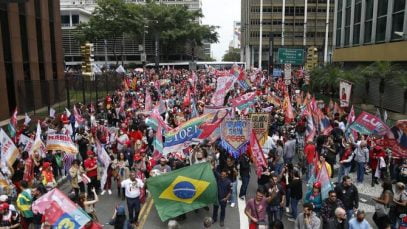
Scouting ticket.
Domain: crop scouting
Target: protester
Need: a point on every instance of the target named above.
(244, 171)
(381, 216)
(359, 222)
(295, 187)
(24, 201)
(256, 209)
(314, 197)
(398, 210)
(132, 188)
(349, 196)
(329, 206)
(339, 221)
(277, 199)
(89, 205)
(308, 219)
(224, 192)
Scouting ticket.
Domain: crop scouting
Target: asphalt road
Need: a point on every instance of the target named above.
(234, 218)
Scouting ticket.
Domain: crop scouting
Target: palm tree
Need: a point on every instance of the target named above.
(383, 71)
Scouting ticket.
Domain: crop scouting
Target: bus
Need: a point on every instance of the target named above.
(199, 65)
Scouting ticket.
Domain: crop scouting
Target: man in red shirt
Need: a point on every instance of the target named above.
(91, 167)
(310, 154)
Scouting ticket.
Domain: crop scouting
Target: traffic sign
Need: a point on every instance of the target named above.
(290, 56)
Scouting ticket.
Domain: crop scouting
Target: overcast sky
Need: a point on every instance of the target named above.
(221, 13)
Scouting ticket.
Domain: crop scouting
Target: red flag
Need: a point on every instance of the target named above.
(148, 102)
(187, 98)
(257, 154)
(78, 117)
(13, 119)
(288, 109)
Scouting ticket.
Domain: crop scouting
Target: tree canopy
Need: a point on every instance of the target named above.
(232, 55)
(174, 25)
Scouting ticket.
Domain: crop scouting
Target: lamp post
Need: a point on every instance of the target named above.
(144, 55)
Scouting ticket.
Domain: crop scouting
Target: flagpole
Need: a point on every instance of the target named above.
(305, 22)
(261, 34)
(326, 33)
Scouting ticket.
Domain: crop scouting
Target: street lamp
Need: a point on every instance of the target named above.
(144, 55)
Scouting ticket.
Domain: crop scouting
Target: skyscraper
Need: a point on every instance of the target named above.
(284, 21)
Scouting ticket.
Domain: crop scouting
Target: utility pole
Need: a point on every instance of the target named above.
(283, 24)
(326, 33)
(261, 34)
(305, 22)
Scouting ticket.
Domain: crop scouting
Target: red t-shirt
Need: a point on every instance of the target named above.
(309, 152)
(136, 135)
(90, 163)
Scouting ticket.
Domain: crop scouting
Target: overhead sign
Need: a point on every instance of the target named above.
(290, 56)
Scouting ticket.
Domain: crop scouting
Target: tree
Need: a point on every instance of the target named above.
(109, 20)
(383, 71)
(327, 78)
(232, 54)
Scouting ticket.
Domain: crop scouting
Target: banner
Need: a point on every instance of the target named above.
(257, 154)
(369, 124)
(60, 211)
(288, 109)
(104, 160)
(213, 109)
(396, 149)
(274, 100)
(344, 93)
(224, 84)
(260, 126)
(61, 142)
(244, 101)
(24, 140)
(193, 131)
(9, 151)
(235, 135)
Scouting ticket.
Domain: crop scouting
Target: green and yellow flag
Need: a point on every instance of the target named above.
(183, 190)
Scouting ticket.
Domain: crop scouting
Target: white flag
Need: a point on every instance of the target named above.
(68, 113)
(385, 116)
(52, 113)
(27, 120)
(120, 69)
(38, 144)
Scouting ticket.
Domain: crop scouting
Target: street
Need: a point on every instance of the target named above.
(235, 217)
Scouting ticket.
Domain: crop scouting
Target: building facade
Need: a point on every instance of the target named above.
(30, 51)
(370, 30)
(74, 12)
(235, 42)
(285, 30)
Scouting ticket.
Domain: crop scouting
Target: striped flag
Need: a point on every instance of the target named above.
(12, 126)
(148, 102)
(78, 117)
(323, 179)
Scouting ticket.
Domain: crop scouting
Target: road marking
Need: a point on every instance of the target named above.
(241, 204)
(145, 212)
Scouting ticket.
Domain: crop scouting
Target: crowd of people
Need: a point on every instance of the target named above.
(285, 187)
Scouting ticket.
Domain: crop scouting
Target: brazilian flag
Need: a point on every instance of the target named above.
(183, 190)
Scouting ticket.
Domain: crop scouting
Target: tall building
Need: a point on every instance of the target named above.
(370, 30)
(30, 51)
(74, 12)
(287, 33)
(235, 42)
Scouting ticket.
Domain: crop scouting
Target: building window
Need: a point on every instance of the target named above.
(356, 34)
(347, 23)
(381, 29)
(65, 20)
(398, 19)
(75, 19)
(368, 22)
(382, 8)
(358, 12)
(368, 32)
(369, 10)
(338, 38)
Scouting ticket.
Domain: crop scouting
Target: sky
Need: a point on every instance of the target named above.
(221, 13)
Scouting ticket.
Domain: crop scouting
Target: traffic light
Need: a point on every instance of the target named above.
(312, 58)
(87, 59)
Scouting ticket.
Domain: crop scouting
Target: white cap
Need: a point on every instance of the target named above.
(3, 198)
